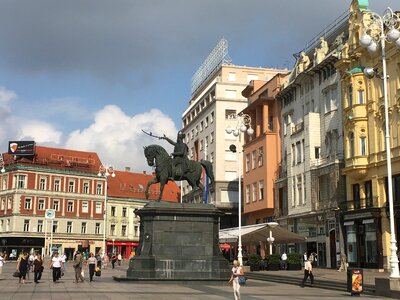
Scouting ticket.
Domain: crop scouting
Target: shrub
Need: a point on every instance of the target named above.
(274, 259)
(294, 258)
(254, 259)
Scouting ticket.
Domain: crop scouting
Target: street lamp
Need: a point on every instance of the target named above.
(105, 172)
(374, 33)
(271, 239)
(243, 124)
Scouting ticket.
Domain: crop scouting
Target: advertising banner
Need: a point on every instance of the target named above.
(21, 148)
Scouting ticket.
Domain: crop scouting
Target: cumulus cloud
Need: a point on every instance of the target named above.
(118, 138)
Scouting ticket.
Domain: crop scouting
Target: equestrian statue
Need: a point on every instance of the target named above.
(176, 167)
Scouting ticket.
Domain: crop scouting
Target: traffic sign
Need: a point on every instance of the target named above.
(50, 214)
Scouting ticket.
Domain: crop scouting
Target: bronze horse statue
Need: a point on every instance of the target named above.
(191, 172)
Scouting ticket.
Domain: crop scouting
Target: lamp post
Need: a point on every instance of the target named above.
(374, 34)
(105, 172)
(242, 124)
(271, 239)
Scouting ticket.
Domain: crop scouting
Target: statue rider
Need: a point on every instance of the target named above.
(179, 154)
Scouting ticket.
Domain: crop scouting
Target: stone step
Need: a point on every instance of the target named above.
(323, 284)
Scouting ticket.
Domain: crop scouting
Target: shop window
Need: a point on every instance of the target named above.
(371, 245)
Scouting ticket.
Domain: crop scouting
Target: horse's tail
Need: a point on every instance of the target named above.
(209, 169)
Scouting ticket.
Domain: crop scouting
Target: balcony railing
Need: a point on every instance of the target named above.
(297, 128)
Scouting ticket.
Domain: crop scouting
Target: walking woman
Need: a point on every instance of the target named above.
(92, 261)
(22, 267)
(56, 265)
(237, 271)
(38, 268)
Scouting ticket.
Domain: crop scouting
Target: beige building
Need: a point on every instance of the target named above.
(215, 98)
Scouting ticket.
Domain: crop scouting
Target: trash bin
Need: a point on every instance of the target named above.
(355, 281)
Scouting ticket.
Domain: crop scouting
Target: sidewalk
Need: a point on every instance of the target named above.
(105, 287)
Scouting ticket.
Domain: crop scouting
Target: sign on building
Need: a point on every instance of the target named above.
(50, 214)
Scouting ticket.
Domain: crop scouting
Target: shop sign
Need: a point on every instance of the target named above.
(358, 216)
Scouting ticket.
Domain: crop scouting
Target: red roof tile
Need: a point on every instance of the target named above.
(132, 185)
(58, 158)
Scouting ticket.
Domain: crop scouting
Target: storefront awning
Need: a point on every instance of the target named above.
(259, 232)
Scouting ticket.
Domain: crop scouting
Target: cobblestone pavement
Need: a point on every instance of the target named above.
(105, 287)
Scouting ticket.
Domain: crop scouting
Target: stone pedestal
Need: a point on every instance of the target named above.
(178, 241)
(387, 287)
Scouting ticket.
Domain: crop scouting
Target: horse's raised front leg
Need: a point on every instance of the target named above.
(153, 181)
(163, 181)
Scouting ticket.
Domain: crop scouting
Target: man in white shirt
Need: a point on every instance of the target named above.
(284, 261)
(56, 264)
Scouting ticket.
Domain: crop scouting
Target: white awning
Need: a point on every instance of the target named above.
(259, 232)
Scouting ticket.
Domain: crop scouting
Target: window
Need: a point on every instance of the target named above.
(247, 162)
(201, 126)
(55, 226)
(99, 188)
(70, 206)
(85, 207)
(206, 143)
(260, 156)
(298, 152)
(28, 203)
(136, 230)
(57, 185)
(112, 229)
(350, 95)
(300, 189)
(261, 189)
(255, 191)
(21, 181)
(247, 193)
(56, 205)
(123, 230)
(83, 228)
(113, 209)
(41, 204)
(363, 145)
(317, 151)
(212, 137)
(254, 159)
(206, 122)
(229, 112)
(9, 203)
(212, 157)
(5, 183)
(69, 227)
(361, 97)
(368, 194)
(212, 117)
(124, 212)
(351, 144)
(8, 225)
(97, 228)
(71, 186)
(98, 207)
(86, 187)
(26, 225)
(40, 226)
(42, 184)
(293, 154)
(356, 195)
(3, 203)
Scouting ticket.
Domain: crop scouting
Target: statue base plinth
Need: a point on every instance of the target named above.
(178, 242)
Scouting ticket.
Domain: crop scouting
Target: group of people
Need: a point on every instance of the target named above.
(26, 264)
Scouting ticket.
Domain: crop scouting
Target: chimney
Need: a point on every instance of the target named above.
(144, 172)
(127, 169)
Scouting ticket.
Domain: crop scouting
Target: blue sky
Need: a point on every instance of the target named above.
(89, 75)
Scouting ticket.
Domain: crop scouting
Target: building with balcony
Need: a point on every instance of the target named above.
(214, 98)
(309, 185)
(364, 210)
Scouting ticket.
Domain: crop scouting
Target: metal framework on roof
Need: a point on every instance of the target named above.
(218, 56)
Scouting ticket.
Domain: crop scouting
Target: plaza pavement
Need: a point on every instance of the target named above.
(105, 287)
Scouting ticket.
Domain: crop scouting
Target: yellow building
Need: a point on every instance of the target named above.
(364, 213)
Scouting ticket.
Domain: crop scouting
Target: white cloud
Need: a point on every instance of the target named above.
(118, 138)
(40, 132)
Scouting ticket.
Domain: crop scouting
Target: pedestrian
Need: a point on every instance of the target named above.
(78, 263)
(22, 267)
(284, 261)
(2, 261)
(64, 262)
(314, 261)
(98, 257)
(105, 261)
(237, 271)
(92, 261)
(343, 262)
(119, 259)
(37, 268)
(31, 259)
(56, 265)
(113, 260)
(305, 257)
(308, 272)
